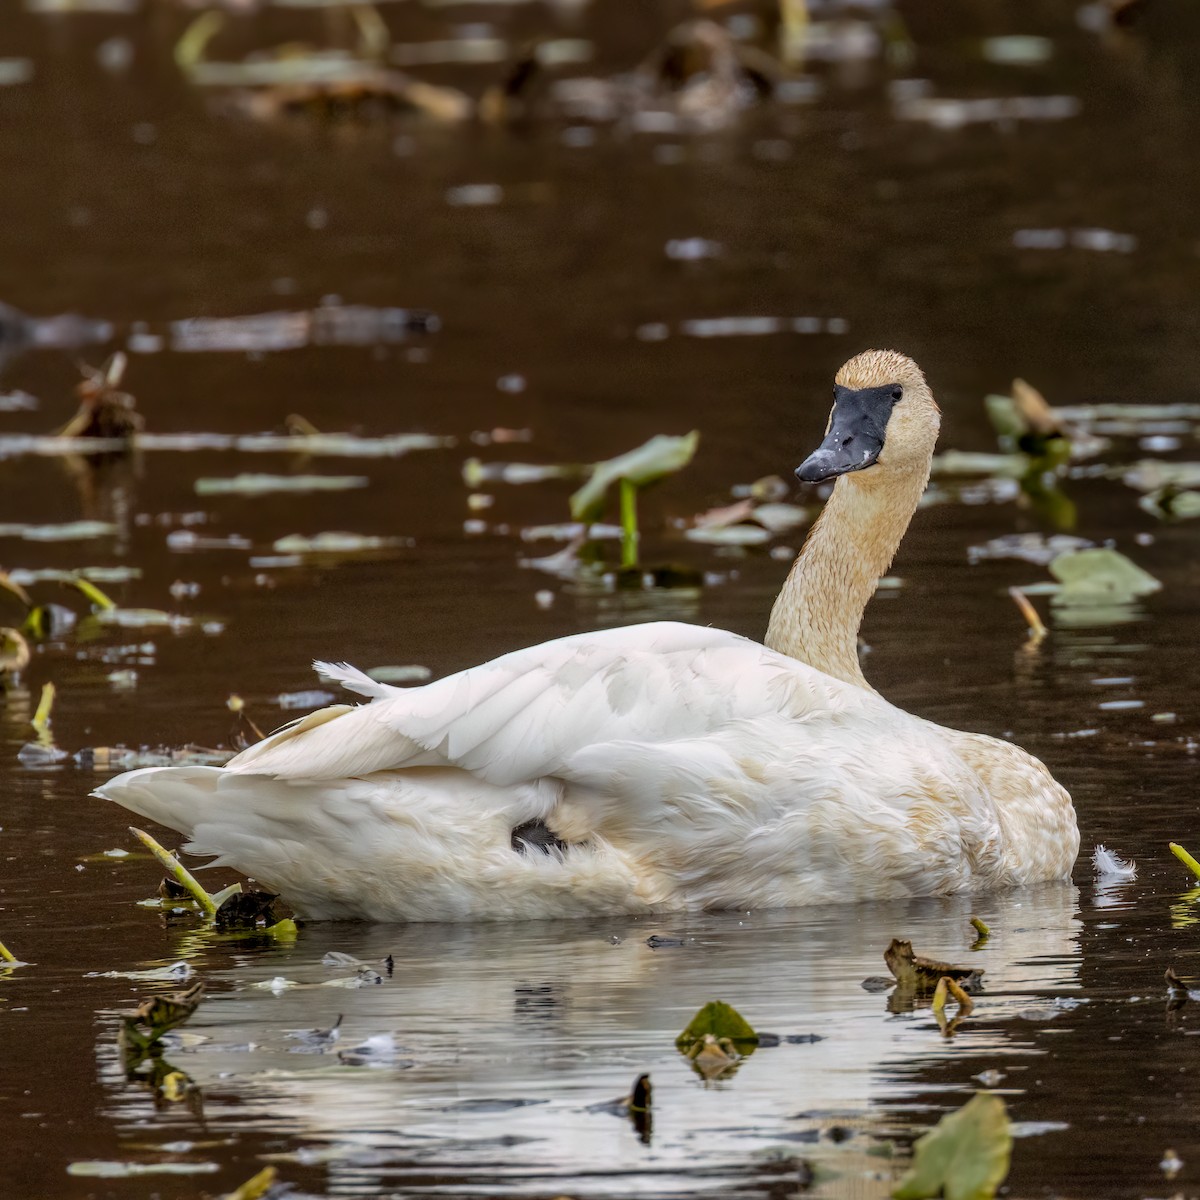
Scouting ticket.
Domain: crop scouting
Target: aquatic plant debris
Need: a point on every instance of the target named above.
(662, 455)
(1109, 866)
(208, 904)
(99, 1169)
(719, 1020)
(922, 974)
(158, 1015)
(255, 1187)
(266, 485)
(1100, 577)
(965, 1156)
(1185, 858)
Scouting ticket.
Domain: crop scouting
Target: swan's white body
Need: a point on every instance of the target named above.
(689, 768)
(683, 767)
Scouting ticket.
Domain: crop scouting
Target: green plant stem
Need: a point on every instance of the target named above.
(1185, 858)
(629, 529)
(6, 954)
(178, 870)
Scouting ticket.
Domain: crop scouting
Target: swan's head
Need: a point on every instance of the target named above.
(884, 417)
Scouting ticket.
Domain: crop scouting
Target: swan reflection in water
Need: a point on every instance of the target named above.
(509, 1039)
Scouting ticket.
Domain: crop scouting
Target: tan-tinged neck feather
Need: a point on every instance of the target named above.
(817, 614)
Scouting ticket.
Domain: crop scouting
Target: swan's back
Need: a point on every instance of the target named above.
(683, 767)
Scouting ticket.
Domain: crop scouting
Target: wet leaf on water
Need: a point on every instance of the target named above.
(965, 462)
(266, 485)
(1037, 548)
(662, 455)
(965, 1156)
(1018, 50)
(922, 974)
(379, 1050)
(713, 1057)
(244, 909)
(727, 514)
(255, 1187)
(334, 544)
(130, 1170)
(720, 1020)
(779, 518)
(1170, 504)
(729, 535)
(1154, 475)
(318, 1040)
(1100, 577)
(34, 755)
(156, 1016)
(177, 972)
(475, 472)
(71, 531)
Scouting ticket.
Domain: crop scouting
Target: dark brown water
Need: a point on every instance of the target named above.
(126, 198)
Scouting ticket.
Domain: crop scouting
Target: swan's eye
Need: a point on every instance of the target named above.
(898, 394)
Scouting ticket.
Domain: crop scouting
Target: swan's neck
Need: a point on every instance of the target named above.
(819, 610)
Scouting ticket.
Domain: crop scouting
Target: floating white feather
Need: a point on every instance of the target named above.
(1109, 866)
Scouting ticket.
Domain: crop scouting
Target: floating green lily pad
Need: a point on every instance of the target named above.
(965, 1156)
(1100, 577)
(722, 1021)
(661, 455)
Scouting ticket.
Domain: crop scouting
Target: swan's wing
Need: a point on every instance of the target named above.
(534, 712)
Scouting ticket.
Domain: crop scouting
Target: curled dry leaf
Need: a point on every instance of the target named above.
(922, 974)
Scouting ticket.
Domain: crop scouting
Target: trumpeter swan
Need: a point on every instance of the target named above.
(653, 768)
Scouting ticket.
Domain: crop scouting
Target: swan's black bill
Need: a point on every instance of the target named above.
(855, 436)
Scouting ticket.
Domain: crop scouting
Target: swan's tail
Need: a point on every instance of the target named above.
(172, 796)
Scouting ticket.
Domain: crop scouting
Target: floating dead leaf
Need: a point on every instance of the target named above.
(379, 1050)
(97, 1169)
(919, 974)
(729, 535)
(316, 1040)
(779, 518)
(266, 485)
(245, 909)
(728, 514)
(965, 1156)
(336, 544)
(158, 1015)
(71, 531)
(105, 413)
(714, 1057)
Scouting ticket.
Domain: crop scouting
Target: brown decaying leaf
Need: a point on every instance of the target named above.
(1033, 408)
(922, 974)
(104, 411)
